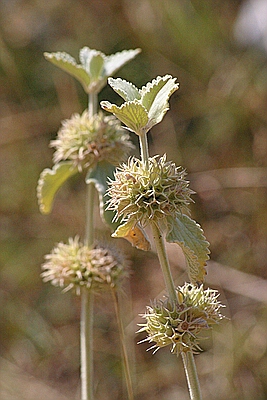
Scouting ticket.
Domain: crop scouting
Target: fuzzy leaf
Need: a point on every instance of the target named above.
(134, 233)
(188, 234)
(93, 62)
(68, 64)
(99, 176)
(125, 89)
(155, 96)
(132, 114)
(50, 182)
(95, 66)
(115, 61)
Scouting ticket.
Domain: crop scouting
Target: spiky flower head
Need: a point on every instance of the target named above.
(74, 265)
(180, 324)
(145, 192)
(87, 140)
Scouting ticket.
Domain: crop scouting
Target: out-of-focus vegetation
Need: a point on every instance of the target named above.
(216, 129)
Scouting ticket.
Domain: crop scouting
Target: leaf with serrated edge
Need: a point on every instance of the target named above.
(132, 114)
(135, 234)
(99, 176)
(50, 182)
(151, 89)
(115, 61)
(93, 62)
(156, 98)
(188, 234)
(125, 89)
(68, 64)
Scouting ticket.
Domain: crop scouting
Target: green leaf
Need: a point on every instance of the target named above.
(132, 114)
(93, 62)
(95, 66)
(188, 234)
(115, 61)
(140, 114)
(155, 96)
(68, 64)
(125, 89)
(49, 183)
(134, 233)
(99, 176)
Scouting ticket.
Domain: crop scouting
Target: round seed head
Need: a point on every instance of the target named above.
(74, 265)
(179, 325)
(86, 141)
(149, 192)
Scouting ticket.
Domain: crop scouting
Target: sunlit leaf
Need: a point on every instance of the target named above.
(188, 234)
(92, 61)
(125, 89)
(142, 108)
(155, 97)
(115, 61)
(95, 66)
(99, 176)
(132, 114)
(68, 64)
(134, 233)
(50, 182)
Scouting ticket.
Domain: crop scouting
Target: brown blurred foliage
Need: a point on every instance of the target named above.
(216, 128)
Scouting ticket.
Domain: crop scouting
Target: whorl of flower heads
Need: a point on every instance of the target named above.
(180, 324)
(149, 192)
(85, 141)
(74, 265)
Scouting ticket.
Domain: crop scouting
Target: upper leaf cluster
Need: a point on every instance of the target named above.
(145, 107)
(94, 68)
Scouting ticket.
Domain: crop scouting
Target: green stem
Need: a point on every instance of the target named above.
(92, 104)
(191, 376)
(123, 345)
(86, 337)
(164, 262)
(89, 227)
(144, 147)
(87, 296)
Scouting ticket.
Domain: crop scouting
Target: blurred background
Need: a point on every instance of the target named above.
(216, 128)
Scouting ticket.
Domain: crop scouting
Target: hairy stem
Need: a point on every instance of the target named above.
(87, 296)
(123, 345)
(164, 262)
(92, 104)
(191, 376)
(144, 148)
(89, 222)
(86, 337)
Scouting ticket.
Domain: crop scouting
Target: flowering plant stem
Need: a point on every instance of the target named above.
(188, 358)
(92, 104)
(164, 262)
(87, 296)
(158, 238)
(191, 375)
(123, 344)
(144, 148)
(86, 330)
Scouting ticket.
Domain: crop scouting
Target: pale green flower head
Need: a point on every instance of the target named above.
(85, 141)
(149, 192)
(145, 107)
(94, 68)
(74, 265)
(179, 325)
